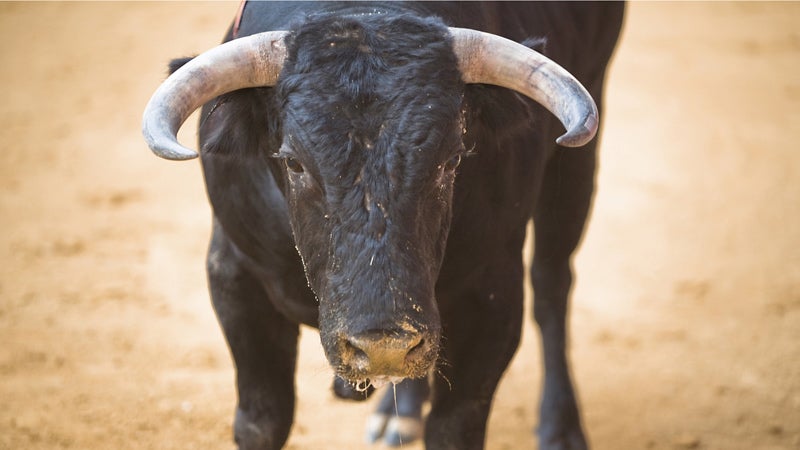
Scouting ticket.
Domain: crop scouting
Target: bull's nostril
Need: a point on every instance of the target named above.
(355, 356)
(418, 348)
(418, 353)
(350, 347)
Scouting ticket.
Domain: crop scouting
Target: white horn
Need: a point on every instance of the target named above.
(491, 59)
(250, 61)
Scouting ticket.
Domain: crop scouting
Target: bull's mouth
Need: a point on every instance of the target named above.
(376, 382)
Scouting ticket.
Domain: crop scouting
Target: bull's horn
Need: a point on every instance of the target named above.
(242, 63)
(491, 59)
(257, 60)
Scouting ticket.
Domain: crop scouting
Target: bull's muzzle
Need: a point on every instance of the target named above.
(381, 353)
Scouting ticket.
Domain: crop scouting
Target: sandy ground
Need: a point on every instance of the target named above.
(686, 313)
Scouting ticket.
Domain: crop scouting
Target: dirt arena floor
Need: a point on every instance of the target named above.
(686, 314)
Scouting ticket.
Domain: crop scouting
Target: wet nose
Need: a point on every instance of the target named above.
(384, 353)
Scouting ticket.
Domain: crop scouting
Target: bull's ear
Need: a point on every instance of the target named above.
(177, 63)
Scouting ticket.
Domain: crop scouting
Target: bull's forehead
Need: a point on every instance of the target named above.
(378, 148)
(365, 97)
(365, 83)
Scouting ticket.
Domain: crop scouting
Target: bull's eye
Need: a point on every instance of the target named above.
(453, 163)
(293, 165)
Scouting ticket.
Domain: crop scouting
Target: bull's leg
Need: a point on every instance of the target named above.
(264, 348)
(481, 333)
(559, 220)
(398, 418)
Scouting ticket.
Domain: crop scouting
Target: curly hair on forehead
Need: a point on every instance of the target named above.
(358, 52)
(348, 78)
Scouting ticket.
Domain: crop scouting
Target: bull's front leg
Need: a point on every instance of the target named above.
(559, 222)
(481, 332)
(559, 418)
(264, 348)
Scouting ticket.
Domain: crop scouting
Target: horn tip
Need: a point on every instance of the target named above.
(174, 152)
(580, 135)
(171, 150)
(575, 139)
(165, 147)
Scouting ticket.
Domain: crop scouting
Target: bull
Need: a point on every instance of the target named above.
(371, 170)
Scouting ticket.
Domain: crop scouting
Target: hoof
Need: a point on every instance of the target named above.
(560, 424)
(403, 430)
(396, 431)
(564, 440)
(251, 435)
(376, 426)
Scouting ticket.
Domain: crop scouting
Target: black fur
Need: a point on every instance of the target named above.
(177, 63)
(344, 178)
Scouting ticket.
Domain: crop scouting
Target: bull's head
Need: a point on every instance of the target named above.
(371, 137)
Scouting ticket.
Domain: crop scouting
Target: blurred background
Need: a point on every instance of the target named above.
(686, 313)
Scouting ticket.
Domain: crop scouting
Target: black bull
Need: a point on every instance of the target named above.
(368, 191)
